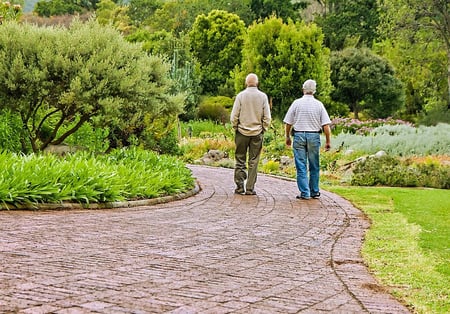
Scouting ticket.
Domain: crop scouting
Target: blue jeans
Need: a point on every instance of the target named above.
(306, 147)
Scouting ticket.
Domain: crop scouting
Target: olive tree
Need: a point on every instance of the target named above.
(58, 79)
(366, 82)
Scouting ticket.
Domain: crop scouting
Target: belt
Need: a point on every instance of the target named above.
(307, 131)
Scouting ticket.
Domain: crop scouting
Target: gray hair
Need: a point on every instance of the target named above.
(251, 80)
(309, 86)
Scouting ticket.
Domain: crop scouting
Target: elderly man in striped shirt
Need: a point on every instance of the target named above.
(305, 120)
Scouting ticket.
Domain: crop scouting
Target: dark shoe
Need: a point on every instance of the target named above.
(239, 191)
(250, 192)
(316, 196)
(302, 197)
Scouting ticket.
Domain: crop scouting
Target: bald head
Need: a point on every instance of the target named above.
(251, 80)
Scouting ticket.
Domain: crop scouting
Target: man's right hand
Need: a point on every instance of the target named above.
(288, 141)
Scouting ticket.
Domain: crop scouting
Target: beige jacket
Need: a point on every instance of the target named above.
(251, 112)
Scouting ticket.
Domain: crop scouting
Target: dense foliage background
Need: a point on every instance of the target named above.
(371, 59)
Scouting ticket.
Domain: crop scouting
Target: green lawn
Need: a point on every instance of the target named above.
(408, 245)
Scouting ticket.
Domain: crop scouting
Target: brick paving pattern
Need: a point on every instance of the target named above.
(214, 252)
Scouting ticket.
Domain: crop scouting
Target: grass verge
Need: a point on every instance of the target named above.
(407, 247)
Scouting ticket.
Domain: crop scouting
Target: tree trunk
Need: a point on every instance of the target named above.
(355, 107)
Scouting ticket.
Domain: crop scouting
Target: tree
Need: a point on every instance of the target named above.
(349, 23)
(366, 82)
(182, 64)
(284, 56)
(238, 7)
(284, 9)
(216, 42)
(56, 7)
(141, 10)
(179, 16)
(109, 13)
(416, 38)
(57, 78)
(49, 8)
(436, 15)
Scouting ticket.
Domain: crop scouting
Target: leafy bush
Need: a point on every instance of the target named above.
(438, 114)
(167, 143)
(215, 108)
(205, 129)
(90, 72)
(85, 178)
(271, 166)
(10, 131)
(391, 171)
(90, 138)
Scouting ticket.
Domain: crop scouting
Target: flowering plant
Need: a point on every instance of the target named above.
(355, 126)
(9, 11)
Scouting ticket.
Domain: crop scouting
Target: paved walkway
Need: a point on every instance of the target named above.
(215, 252)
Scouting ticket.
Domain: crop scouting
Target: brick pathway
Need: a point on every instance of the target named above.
(214, 252)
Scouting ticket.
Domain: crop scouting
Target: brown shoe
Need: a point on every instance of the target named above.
(250, 192)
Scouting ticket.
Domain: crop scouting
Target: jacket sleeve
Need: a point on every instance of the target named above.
(234, 117)
(267, 117)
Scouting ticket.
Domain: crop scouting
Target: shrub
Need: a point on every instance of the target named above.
(10, 132)
(206, 129)
(215, 108)
(89, 138)
(392, 171)
(271, 166)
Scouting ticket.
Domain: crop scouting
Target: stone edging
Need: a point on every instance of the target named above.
(108, 205)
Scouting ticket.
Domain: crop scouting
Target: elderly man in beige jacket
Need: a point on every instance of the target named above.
(250, 118)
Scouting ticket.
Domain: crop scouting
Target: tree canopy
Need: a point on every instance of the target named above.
(366, 82)
(416, 38)
(284, 56)
(58, 79)
(412, 34)
(350, 22)
(216, 42)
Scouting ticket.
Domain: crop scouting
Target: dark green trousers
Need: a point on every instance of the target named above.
(248, 151)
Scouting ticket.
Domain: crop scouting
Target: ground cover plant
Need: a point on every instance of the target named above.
(124, 174)
(406, 247)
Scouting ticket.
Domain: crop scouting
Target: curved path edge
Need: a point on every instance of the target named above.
(204, 251)
(106, 205)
